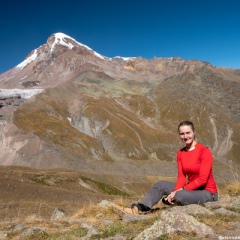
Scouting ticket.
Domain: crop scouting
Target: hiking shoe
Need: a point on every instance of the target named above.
(166, 202)
(122, 211)
(132, 210)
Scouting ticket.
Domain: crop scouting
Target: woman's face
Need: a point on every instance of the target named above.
(187, 135)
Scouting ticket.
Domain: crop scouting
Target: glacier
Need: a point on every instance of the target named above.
(22, 93)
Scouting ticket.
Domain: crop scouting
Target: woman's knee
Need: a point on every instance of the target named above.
(180, 198)
(159, 183)
(163, 184)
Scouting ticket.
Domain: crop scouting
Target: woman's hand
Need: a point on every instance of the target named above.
(170, 197)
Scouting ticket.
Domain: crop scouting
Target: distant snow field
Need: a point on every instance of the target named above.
(25, 94)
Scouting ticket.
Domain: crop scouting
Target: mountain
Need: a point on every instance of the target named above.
(114, 117)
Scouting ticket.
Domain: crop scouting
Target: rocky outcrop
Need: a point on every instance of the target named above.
(170, 221)
(58, 214)
(182, 219)
(174, 221)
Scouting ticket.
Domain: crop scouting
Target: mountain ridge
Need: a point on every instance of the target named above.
(96, 112)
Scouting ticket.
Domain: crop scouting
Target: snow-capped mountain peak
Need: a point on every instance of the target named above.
(62, 39)
(53, 41)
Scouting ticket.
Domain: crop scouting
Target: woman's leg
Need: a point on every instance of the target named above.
(159, 189)
(185, 197)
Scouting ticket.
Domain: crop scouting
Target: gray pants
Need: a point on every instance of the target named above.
(183, 197)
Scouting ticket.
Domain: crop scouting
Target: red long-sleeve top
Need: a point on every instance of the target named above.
(195, 169)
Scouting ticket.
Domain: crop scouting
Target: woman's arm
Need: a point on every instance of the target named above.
(181, 179)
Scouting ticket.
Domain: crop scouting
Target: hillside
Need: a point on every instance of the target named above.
(115, 116)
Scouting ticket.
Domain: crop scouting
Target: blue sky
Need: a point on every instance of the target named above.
(206, 30)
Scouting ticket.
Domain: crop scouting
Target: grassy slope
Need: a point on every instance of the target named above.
(39, 192)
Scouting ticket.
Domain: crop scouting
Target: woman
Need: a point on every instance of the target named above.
(195, 183)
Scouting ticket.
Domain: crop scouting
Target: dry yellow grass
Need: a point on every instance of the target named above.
(70, 228)
(232, 188)
(90, 213)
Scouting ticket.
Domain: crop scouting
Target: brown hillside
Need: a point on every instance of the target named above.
(102, 115)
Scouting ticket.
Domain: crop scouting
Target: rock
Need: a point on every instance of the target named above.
(189, 209)
(91, 231)
(58, 214)
(236, 202)
(236, 206)
(33, 216)
(214, 205)
(225, 198)
(237, 224)
(107, 222)
(225, 201)
(224, 211)
(3, 235)
(171, 222)
(132, 218)
(106, 204)
(33, 231)
(192, 209)
(85, 225)
(18, 227)
(116, 237)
